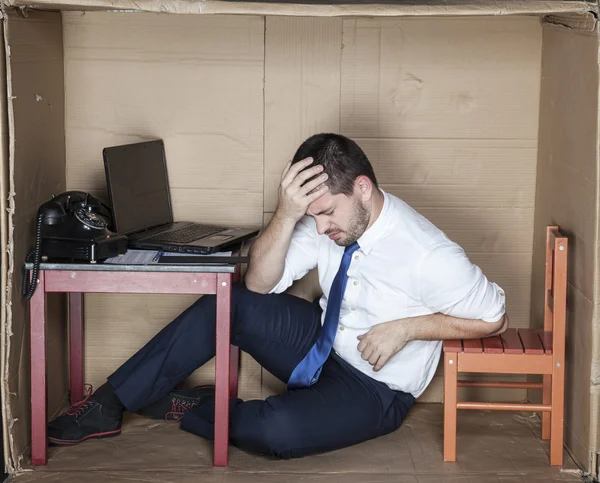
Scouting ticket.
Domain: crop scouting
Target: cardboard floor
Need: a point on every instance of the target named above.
(492, 447)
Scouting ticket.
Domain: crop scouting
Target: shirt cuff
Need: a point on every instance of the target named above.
(498, 309)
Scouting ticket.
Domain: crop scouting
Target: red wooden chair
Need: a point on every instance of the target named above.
(518, 351)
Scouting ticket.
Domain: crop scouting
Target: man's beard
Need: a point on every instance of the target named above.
(356, 226)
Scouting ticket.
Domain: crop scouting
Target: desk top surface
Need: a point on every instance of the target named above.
(159, 267)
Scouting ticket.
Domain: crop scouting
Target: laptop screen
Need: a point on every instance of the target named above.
(136, 178)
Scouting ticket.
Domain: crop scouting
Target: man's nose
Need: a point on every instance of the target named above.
(322, 226)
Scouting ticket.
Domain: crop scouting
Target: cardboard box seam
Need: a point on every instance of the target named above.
(478, 8)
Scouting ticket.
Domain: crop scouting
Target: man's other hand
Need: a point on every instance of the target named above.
(296, 192)
(382, 342)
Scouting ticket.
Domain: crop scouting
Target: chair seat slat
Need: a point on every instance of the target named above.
(512, 342)
(546, 337)
(492, 345)
(452, 346)
(531, 341)
(472, 345)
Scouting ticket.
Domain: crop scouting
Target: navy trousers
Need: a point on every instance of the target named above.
(343, 408)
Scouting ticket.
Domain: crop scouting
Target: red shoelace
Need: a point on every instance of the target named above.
(178, 407)
(77, 408)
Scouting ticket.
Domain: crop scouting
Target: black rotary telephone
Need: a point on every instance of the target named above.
(72, 226)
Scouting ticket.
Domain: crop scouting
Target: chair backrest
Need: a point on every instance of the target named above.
(555, 312)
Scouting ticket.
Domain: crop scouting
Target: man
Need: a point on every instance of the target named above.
(394, 286)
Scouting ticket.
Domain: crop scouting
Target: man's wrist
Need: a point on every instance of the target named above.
(284, 220)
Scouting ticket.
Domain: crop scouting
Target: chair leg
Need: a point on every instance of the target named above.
(450, 398)
(547, 399)
(557, 417)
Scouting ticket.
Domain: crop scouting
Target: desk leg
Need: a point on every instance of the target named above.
(223, 345)
(235, 351)
(234, 367)
(38, 372)
(76, 345)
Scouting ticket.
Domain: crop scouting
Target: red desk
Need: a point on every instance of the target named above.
(77, 279)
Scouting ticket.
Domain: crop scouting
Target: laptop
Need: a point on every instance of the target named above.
(138, 188)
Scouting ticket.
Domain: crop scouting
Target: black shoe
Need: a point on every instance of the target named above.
(173, 405)
(84, 420)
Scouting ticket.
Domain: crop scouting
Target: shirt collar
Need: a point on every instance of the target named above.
(376, 231)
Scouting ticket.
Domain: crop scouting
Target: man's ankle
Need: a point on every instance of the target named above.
(108, 398)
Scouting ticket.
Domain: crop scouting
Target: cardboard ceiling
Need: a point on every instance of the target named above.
(311, 8)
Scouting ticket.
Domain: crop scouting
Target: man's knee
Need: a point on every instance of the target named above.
(272, 434)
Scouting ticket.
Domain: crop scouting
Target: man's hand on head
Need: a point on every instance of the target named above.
(382, 342)
(296, 192)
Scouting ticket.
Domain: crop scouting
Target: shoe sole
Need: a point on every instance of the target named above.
(70, 442)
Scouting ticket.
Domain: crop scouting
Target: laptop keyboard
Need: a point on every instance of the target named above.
(185, 234)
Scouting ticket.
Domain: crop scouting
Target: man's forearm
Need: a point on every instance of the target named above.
(444, 327)
(267, 255)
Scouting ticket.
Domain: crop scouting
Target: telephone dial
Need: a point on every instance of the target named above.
(72, 226)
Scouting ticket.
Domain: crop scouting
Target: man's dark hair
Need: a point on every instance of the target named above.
(341, 158)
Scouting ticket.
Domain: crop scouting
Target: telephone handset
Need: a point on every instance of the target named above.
(85, 208)
(72, 226)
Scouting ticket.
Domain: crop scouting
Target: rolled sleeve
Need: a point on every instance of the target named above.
(452, 285)
(302, 254)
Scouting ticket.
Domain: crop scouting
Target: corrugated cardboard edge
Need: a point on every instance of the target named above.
(5, 176)
(407, 8)
(595, 369)
(8, 151)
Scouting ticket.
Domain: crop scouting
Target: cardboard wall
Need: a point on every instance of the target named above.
(447, 110)
(37, 159)
(567, 195)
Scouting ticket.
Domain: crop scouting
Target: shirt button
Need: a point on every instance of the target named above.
(353, 308)
(342, 327)
(356, 257)
(356, 282)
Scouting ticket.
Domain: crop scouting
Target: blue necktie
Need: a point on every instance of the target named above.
(308, 370)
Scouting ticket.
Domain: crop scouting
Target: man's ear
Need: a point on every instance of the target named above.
(363, 187)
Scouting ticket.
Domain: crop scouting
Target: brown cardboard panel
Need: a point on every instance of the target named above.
(386, 7)
(188, 157)
(203, 97)
(234, 206)
(456, 173)
(399, 80)
(36, 113)
(302, 89)
(117, 326)
(566, 194)
(367, 103)
(578, 410)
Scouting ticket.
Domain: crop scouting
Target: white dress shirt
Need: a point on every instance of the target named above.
(405, 267)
